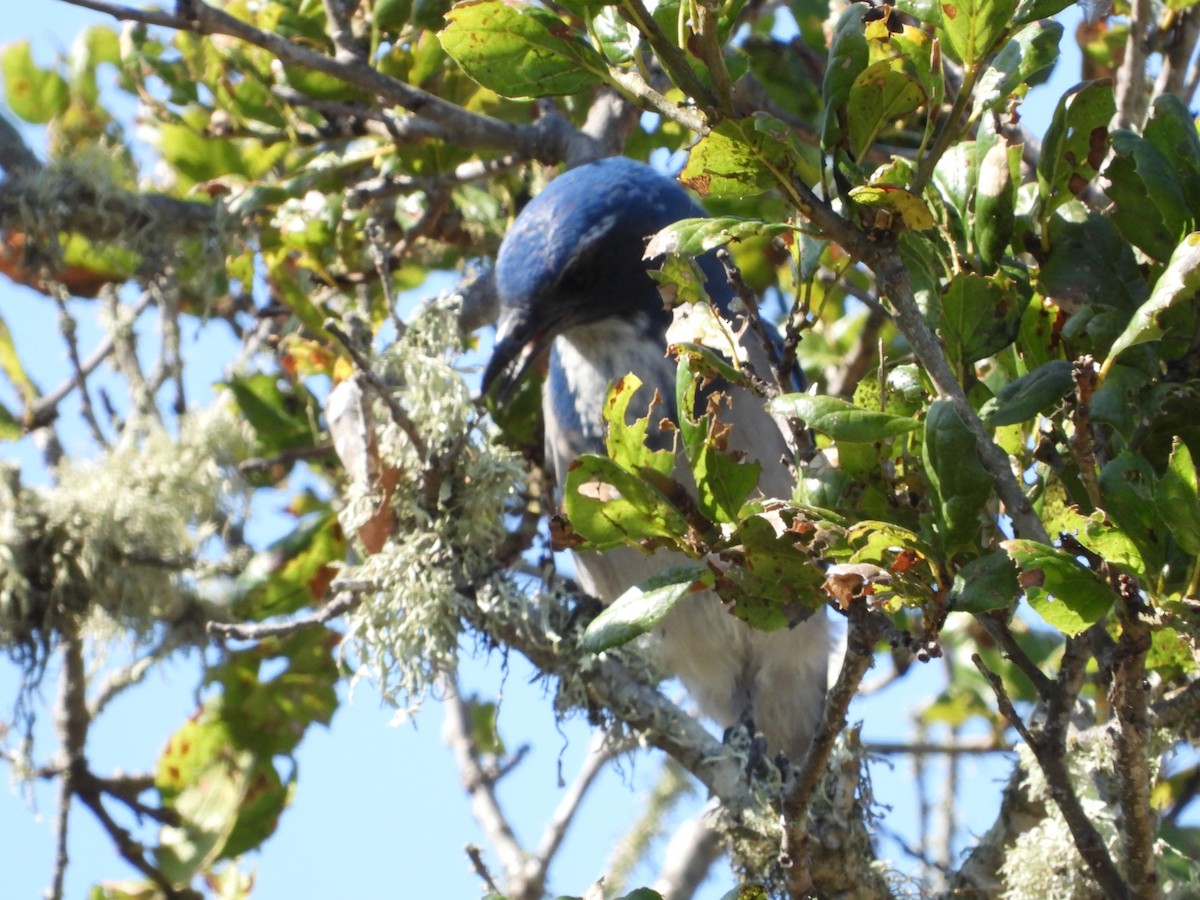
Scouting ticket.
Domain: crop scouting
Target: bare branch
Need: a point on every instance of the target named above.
(1050, 754)
(1130, 85)
(343, 602)
(469, 129)
(1131, 701)
(865, 630)
(485, 807)
(602, 750)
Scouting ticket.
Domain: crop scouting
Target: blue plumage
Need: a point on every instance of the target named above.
(570, 274)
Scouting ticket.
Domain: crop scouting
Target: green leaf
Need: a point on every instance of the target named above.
(952, 463)
(912, 211)
(279, 422)
(35, 95)
(1100, 536)
(10, 428)
(979, 317)
(770, 577)
(972, 27)
(1076, 143)
(695, 237)
(611, 507)
(292, 573)
(1178, 283)
(1031, 10)
(1029, 395)
(1127, 489)
(519, 51)
(840, 420)
(14, 369)
(1032, 50)
(1151, 209)
(986, 582)
(879, 96)
(1172, 130)
(642, 607)
(736, 159)
(269, 715)
(626, 441)
(848, 55)
(1066, 595)
(1092, 269)
(1178, 499)
(723, 482)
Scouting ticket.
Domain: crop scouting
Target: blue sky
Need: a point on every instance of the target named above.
(379, 811)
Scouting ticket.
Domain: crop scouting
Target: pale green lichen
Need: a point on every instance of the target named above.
(117, 540)
(407, 630)
(1044, 861)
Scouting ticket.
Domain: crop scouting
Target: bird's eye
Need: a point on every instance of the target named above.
(576, 280)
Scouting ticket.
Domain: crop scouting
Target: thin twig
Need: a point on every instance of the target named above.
(485, 807)
(961, 747)
(399, 416)
(343, 602)
(601, 751)
(67, 328)
(997, 626)
(44, 410)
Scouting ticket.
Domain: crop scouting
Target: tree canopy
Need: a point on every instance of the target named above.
(995, 472)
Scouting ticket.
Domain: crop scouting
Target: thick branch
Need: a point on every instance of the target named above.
(893, 282)
(469, 129)
(1131, 701)
(865, 630)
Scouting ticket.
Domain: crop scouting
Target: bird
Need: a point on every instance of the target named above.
(570, 276)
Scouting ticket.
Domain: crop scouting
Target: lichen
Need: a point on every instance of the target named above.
(117, 540)
(406, 631)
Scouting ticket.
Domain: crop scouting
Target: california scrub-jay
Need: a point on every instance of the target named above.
(570, 274)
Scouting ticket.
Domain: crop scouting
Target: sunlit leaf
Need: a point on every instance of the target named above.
(1178, 283)
(519, 50)
(1066, 595)
(34, 94)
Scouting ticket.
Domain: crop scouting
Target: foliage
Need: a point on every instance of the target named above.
(997, 467)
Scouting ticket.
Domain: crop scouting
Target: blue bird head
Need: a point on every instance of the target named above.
(574, 256)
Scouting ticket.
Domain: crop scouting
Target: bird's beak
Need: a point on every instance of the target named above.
(518, 343)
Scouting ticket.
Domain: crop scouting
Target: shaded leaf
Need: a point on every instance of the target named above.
(1178, 497)
(979, 317)
(952, 462)
(643, 606)
(985, 583)
(1076, 142)
(1029, 395)
(1178, 283)
(1030, 51)
(841, 420)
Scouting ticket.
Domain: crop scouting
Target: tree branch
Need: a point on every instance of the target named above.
(865, 631)
(485, 807)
